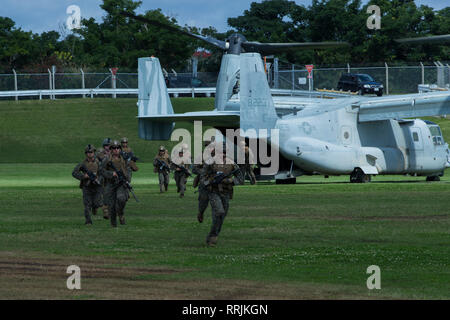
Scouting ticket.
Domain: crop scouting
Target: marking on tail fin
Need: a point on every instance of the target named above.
(257, 107)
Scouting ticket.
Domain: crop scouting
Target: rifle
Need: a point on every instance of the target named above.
(129, 156)
(162, 165)
(220, 176)
(183, 169)
(92, 176)
(123, 180)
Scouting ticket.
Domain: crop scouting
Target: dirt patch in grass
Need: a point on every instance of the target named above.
(28, 277)
(409, 218)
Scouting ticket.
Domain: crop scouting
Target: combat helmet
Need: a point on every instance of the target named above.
(115, 144)
(106, 142)
(89, 148)
(161, 148)
(124, 140)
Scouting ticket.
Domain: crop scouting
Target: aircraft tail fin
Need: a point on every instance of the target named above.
(153, 100)
(257, 107)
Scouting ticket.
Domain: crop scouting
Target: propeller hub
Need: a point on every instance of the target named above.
(234, 43)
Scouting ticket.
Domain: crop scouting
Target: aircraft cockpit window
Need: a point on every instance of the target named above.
(415, 136)
(437, 135)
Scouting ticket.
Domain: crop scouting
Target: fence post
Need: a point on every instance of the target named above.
(194, 67)
(275, 73)
(53, 80)
(387, 78)
(348, 68)
(113, 80)
(440, 74)
(293, 77)
(15, 83)
(49, 82)
(82, 82)
(423, 72)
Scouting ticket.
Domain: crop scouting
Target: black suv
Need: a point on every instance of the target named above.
(361, 83)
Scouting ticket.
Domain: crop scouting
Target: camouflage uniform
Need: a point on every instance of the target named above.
(247, 166)
(203, 200)
(128, 155)
(92, 192)
(180, 176)
(163, 172)
(219, 195)
(116, 193)
(199, 181)
(102, 154)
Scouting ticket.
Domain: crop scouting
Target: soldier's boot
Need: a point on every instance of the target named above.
(181, 195)
(166, 186)
(105, 212)
(88, 221)
(211, 241)
(113, 223)
(122, 220)
(200, 217)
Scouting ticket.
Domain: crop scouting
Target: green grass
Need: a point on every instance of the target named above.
(57, 131)
(313, 239)
(320, 232)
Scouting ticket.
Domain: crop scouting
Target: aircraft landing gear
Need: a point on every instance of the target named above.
(286, 181)
(433, 178)
(358, 176)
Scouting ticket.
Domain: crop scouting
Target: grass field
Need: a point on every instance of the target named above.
(312, 240)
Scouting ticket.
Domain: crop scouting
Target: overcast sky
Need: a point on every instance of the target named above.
(46, 15)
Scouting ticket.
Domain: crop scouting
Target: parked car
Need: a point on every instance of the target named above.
(183, 81)
(361, 83)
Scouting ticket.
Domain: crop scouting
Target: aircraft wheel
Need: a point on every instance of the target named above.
(358, 176)
(433, 178)
(286, 181)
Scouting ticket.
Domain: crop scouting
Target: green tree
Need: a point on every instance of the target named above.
(120, 41)
(15, 45)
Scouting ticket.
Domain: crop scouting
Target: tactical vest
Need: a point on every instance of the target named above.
(164, 158)
(225, 186)
(91, 166)
(119, 164)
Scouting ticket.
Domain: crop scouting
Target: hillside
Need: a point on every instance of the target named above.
(56, 131)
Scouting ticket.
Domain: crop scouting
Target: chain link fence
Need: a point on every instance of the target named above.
(396, 79)
(281, 75)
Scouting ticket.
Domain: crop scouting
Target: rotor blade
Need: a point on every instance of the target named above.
(218, 43)
(433, 39)
(250, 46)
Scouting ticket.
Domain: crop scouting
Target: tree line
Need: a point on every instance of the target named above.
(119, 41)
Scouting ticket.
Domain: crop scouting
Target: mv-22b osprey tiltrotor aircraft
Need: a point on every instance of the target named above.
(352, 135)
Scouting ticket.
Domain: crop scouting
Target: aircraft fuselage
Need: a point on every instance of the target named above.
(334, 143)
